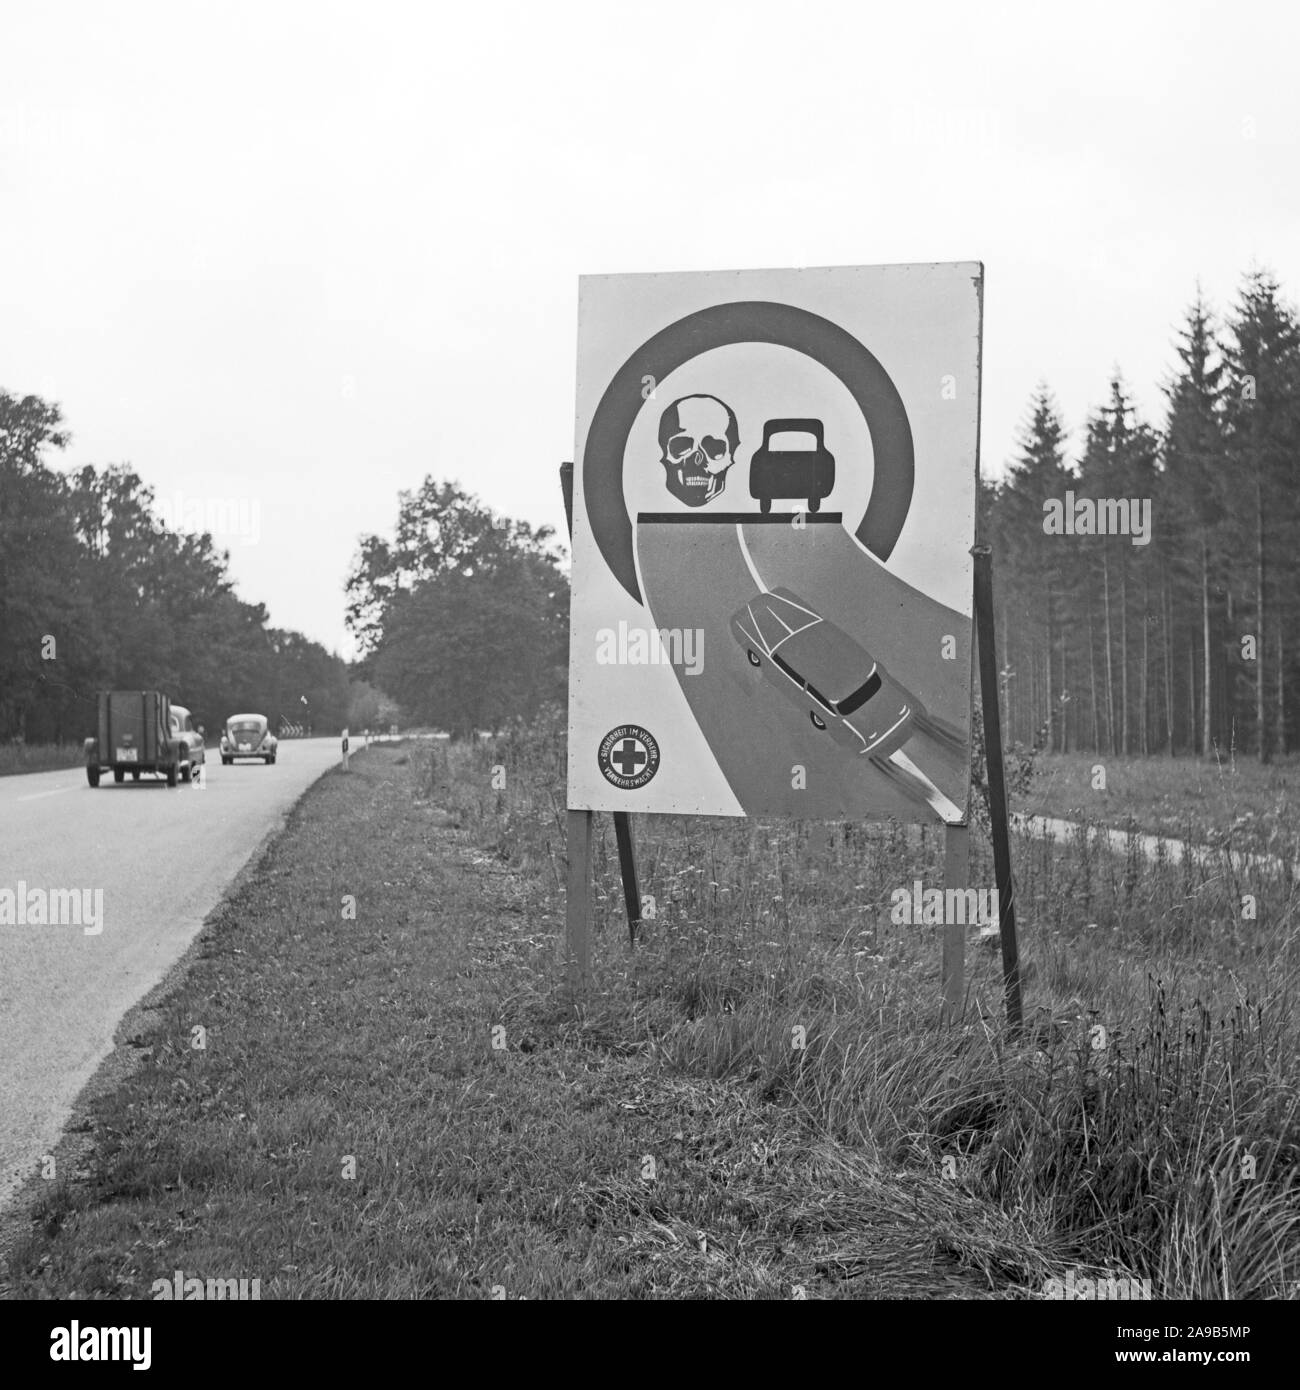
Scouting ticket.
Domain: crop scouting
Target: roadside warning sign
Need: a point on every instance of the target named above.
(774, 504)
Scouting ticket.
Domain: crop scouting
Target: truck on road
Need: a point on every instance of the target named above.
(142, 731)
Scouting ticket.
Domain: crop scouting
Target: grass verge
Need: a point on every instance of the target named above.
(757, 1102)
(349, 1129)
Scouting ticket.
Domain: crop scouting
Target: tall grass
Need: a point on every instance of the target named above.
(1204, 800)
(1145, 1121)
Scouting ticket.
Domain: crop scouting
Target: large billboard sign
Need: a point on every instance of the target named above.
(774, 504)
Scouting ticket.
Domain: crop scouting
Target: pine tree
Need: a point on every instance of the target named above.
(1262, 417)
(1038, 563)
(1194, 501)
(1120, 460)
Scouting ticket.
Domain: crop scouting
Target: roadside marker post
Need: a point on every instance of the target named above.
(345, 750)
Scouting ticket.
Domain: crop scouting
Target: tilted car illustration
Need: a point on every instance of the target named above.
(247, 736)
(142, 731)
(806, 472)
(845, 691)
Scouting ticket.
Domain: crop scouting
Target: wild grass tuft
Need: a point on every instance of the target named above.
(1145, 1120)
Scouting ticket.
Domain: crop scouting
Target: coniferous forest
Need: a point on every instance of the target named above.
(1185, 640)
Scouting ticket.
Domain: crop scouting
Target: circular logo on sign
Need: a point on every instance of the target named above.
(628, 756)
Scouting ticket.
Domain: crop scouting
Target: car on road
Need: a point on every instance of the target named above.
(141, 731)
(247, 736)
(805, 471)
(194, 749)
(846, 692)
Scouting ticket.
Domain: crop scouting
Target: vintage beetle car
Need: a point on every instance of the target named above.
(822, 669)
(247, 736)
(806, 472)
(142, 731)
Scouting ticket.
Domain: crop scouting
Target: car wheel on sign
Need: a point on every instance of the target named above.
(135, 774)
(818, 723)
(814, 503)
(753, 657)
(118, 774)
(92, 776)
(171, 775)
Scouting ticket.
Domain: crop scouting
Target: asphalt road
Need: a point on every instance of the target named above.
(162, 858)
(697, 571)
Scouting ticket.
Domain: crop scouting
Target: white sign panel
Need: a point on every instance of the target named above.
(774, 503)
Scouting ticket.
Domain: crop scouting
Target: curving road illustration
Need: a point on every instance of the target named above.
(698, 570)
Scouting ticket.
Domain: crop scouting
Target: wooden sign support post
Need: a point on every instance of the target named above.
(577, 906)
(956, 874)
(578, 903)
(997, 781)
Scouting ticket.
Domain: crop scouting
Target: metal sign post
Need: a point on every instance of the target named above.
(997, 782)
(956, 874)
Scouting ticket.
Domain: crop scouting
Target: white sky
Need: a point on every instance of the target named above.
(296, 256)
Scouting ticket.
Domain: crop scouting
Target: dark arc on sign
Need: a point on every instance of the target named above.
(723, 325)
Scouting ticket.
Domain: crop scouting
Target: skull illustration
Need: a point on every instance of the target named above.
(698, 438)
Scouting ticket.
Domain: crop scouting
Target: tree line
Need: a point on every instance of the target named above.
(463, 615)
(98, 593)
(1187, 639)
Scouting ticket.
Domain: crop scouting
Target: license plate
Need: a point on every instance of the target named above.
(244, 747)
(128, 755)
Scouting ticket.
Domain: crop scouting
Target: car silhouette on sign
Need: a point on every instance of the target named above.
(846, 692)
(805, 472)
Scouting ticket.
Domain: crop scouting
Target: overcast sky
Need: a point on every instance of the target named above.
(296, 256)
